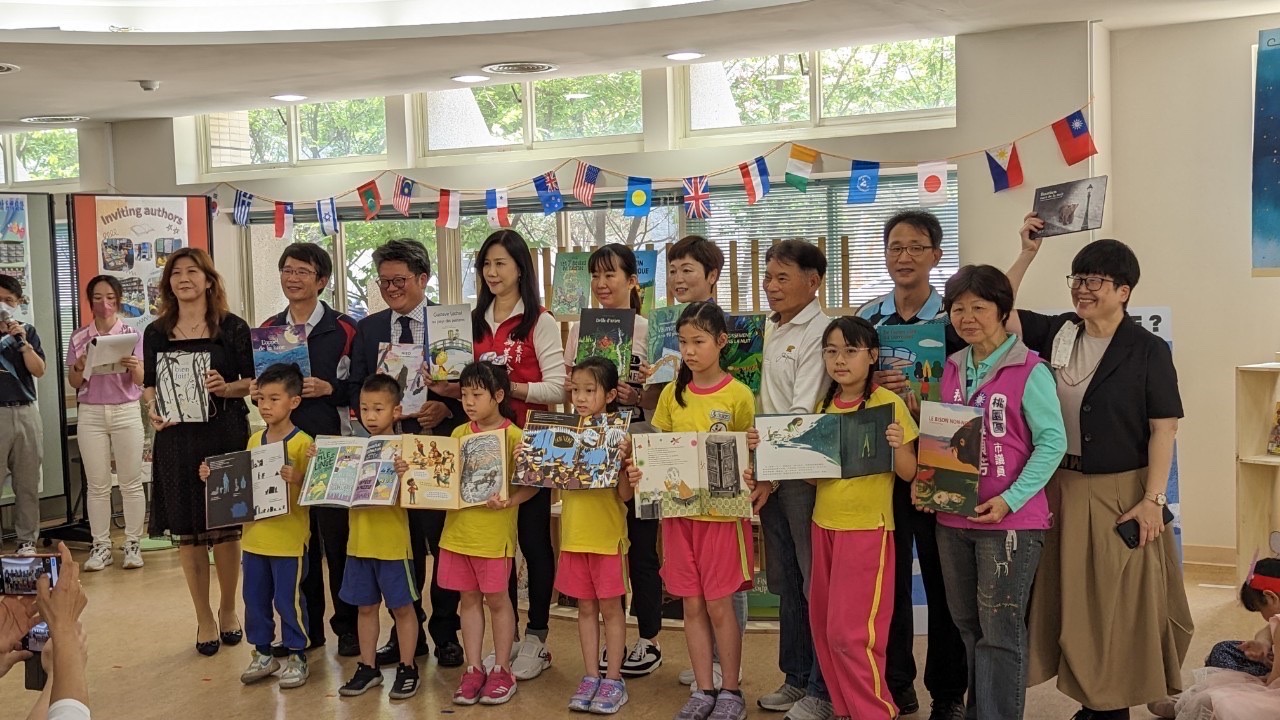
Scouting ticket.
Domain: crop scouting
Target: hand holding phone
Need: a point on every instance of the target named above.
(1132, 534)
(20, 574)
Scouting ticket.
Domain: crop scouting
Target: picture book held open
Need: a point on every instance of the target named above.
(918, 351)
(950, 455)
(688, 474)
(454, 473)
(280, 344)
(449, 342)
(180, 392)
(352, 472)
(572, 452)
(246, 486)
(824, 446)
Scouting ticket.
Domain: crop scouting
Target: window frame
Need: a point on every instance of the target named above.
(9, 164)
(205, 145)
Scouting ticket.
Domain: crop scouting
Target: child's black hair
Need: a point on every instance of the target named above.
(1252, 598)
(288, 375)
(705, 316)
(616, 256)
(604, 372)
(382, 382)
(857, 333)
(490, 378)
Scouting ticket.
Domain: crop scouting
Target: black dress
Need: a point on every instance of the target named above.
(177, 495)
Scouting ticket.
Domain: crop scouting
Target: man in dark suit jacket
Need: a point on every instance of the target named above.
(404, 268)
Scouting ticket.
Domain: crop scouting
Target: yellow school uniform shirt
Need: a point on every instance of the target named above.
(862, 503)
(480, 531)
(379, 533)
(283, 535)
(593, 521)
(728, 406)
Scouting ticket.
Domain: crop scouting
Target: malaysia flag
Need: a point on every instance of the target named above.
(403, 195)
(1073, 138)
(495, 201)
(1006, 168)
(448, 209)
(755, 179)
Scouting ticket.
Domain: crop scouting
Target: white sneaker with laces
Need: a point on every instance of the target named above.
(260, 666)
(644, 658)
(295, 672)
(782, 699)
(99, 558)
(132, 556)
(27, 549)
(717, 675)
(531, 659)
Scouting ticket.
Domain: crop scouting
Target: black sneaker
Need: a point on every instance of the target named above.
(366, 677)
(406, 684)
(389, 654)
(349, 645)
(644, 658)
(947, 710)
(906, 700)
(449, 655)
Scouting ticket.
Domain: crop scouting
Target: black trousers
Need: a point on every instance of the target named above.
(329, 529)
(946, 675)
(425, 528)
(534, 534)
(642, 565)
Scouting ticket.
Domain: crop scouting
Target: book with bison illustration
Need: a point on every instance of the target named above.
(1071, 206)
(950, 455)
(246, 486)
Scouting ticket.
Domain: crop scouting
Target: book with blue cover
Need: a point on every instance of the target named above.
(663, 345)
(280, 344)
(918, 351)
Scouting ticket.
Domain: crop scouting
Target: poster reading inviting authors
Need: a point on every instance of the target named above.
(135, 237)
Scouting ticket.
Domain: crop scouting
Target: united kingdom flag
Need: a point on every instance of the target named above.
(697, 198)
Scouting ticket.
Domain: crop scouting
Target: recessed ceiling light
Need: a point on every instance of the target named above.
(522, 67)
(576, 96)
(8, 68)
(54, 119)
(470, 78)
(684, 56)
(289, 98)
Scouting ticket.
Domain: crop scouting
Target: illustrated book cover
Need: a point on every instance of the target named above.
(570, 285)
(282, 344)
(180, 392)
(824, 446)
(664, 344)
(950, 455)
(572, 452)
(606, 333)
(918, 351)
(687, 474)
(454, 473)
(647, 276)
(408, 366)
(449, 343)
(1071, 207)
(743, 357)
(353, 472)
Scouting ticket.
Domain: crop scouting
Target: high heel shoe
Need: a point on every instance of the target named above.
(232, 638)
(209, 648)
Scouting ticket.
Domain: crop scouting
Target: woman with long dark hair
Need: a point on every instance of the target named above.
(194, 317)
(509, 322)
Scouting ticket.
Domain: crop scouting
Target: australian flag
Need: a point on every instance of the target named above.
(697, 198)
(244, 201)
(549, 193)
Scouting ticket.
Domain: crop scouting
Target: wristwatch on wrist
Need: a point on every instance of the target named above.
(1158, 498)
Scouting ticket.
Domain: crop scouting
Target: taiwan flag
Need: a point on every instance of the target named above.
(1006, 168)
(1073, 138)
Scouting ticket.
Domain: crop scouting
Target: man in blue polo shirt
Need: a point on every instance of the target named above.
(21, 434)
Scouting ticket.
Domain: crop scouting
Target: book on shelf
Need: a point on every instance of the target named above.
(453, 473)
(949, 457)
(1273, 440)
(181, 396)
(407, 364)
(688, 474)
(743, 356)
(570, 285)
(824, 446)
(663, 345)
(606, 333)
(280, 344)
(918, 351)
(246, 486)
(572, 452)
(449, 343)
(353, 472)
(1071, 207)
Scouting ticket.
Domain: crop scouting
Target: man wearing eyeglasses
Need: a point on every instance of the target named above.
(913, 248)
(404, 268)
(305, 269)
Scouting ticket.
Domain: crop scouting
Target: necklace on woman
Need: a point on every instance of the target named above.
(189, 335)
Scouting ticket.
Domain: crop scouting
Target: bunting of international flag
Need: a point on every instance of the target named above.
(931, 182)
(284, 219)
(639, 197)
(549, 193)
(327, 216)
(864, 181)
(584, 183)
(370, 199)
(495, 203)
(403, 194)
(244, 202)
(755, 179)
(1074, 138)
(697, 198)
(1006, 168)
(800, 166)
(448, 209)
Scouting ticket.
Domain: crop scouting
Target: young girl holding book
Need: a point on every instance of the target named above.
(478, 545)
(593, 546)
(708, 558)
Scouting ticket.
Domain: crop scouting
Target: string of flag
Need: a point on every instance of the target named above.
(1071, 132)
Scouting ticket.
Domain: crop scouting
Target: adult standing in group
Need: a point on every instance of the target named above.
(404, 268)
(794, 378)
(21, 432)
(194, 317)
(109, 426)
(510, 325)
(912, 249)
(1120, 403)
(305, 269)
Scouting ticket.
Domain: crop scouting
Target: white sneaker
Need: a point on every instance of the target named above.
(99, 558)
(27, 549)
(530, 658)
(132, 556)
(717, 675)
(260, 666)
(295, 672)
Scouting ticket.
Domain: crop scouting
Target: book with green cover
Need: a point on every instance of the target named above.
(647, 274)
(743, 356)
(918, 351)
(606, 333)
(663, 344)
(570, 285)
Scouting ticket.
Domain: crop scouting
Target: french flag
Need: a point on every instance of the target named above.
(1006, 168)
(755, 179)
(495, 201)
(449, 208)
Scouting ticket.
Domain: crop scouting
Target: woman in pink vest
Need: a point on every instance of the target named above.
(989, 558)
(511, 326)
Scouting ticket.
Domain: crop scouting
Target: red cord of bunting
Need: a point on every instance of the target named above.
(735, 168)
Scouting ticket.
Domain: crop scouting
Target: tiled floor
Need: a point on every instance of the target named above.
(143, 665)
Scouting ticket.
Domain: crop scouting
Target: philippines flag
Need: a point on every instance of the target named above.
(1073, 138)
(584, 183)
(755, 179)
(244, 201)
(495, 201)
(284, 219)
(449, 208)
(549, 193)
(697, 198)
(327, 215)
(403, 194)
(1006, 169)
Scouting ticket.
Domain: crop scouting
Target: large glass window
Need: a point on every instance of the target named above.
(360, 239)
(889, 77)
(45, 155)
(538, 230)
(296, 134)
(590, 106)
(770, 90)
(344, 128)
(600, 226)
(475, 117)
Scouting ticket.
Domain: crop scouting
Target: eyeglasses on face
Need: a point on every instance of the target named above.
(846, 353)
(398, 281)
(914, 251)
(1091, 283)
(303, 273)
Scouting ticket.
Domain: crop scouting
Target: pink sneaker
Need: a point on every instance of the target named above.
(468, 692)
(498, 687)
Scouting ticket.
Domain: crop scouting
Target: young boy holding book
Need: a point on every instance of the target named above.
(275, 548)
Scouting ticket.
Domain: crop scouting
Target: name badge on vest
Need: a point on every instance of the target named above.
(1063, 343)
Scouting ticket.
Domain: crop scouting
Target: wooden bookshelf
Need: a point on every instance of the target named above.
(1257, 473)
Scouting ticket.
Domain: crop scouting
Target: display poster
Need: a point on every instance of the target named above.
(14, 253)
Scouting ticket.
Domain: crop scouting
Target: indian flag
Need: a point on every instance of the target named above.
(800, 166)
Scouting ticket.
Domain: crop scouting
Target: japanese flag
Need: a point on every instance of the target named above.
(931, 181)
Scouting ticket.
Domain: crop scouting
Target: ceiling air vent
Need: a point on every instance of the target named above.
(54, 119)
(520, 68)
(8, 69)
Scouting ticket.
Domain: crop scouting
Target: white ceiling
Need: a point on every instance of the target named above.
(96, 74)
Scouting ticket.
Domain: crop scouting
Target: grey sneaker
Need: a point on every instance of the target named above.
(99, 557)
(295, 672)
(697, 707)
(586, 692)
(810, 708)
(132, 555)
(782, 699)
(260, 666)
(529, 658)
(729, 706)
(610, 698)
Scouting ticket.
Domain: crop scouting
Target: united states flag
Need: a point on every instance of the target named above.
(697, 198)
(584, 183)
(403, 195)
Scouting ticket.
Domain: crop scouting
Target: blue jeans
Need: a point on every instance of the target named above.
(988, 575)
(787, 523)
